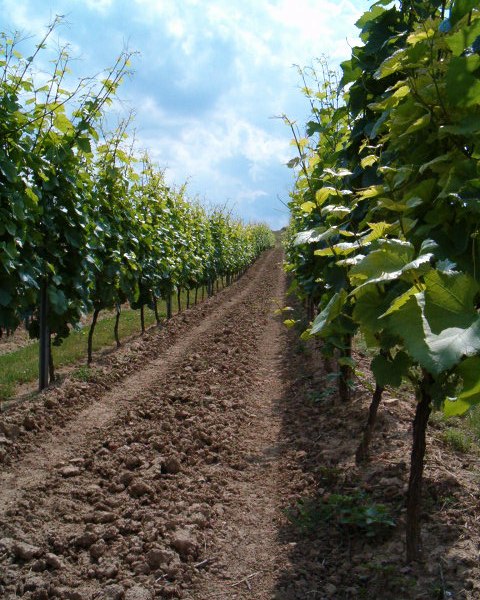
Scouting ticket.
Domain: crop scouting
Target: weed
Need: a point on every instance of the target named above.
(386, 577)
(328, 475)
(6, 390)
(84, 373)
(437, 420)
(353, 513)
(316, 396)
(448, 501)
(473, 421)
(457, 439)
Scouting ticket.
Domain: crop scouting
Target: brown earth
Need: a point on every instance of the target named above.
(9, 342)
(176, 471)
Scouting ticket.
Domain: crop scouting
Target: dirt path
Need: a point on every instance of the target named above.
(210, 461)
(67, 443)
(166, 485)
(248, 551)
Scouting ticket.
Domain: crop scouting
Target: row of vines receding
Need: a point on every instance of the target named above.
(86, 221)
(385, 215)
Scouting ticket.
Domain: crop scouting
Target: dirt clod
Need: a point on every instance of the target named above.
(171, 465)
(70, 471)
(140, 488)
(25, 551)
(184, 543)
(53, 561)
(114, 592)
(138, 592)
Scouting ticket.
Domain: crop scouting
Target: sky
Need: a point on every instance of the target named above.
(210, 76)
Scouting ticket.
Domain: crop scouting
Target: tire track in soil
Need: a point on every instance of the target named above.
(124, 502)
(247, 546)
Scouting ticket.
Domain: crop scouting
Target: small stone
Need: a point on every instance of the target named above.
(330, 589)
(5, 441)
(138, 592)
(26, 551)
(140, 488)
(70, 471)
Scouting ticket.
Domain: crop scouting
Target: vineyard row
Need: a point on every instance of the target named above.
(86, 222)
(385, 214)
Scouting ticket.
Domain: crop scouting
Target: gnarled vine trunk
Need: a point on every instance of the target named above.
(96, 312)
(414, 496)
(363, 451)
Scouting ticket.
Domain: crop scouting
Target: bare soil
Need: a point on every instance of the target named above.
(15, 340)
(177, 469)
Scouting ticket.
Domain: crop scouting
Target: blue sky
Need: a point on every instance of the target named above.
(209, 77)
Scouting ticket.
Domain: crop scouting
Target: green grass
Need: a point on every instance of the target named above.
(473, 422)
(458, 439)
(462, 433)
(21, 366)
(354, 512)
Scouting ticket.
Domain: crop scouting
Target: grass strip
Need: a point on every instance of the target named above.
(21, 366)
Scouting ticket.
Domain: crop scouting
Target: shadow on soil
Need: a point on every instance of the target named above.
(344, 526)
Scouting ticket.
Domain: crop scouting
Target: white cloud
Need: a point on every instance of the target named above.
(22, 18)
(201, 147)
(211, 75)
(101, 6)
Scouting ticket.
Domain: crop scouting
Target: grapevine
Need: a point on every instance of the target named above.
(385, 220)
(86, 222)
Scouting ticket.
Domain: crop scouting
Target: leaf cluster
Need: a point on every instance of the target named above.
(385, 212)
(82, 213)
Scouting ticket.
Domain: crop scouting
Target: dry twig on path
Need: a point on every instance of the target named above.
(245, 580)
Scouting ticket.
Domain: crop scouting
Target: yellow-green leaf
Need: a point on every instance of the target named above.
(368, 161)
(372, 191)
(307, 207)
(323, 194)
